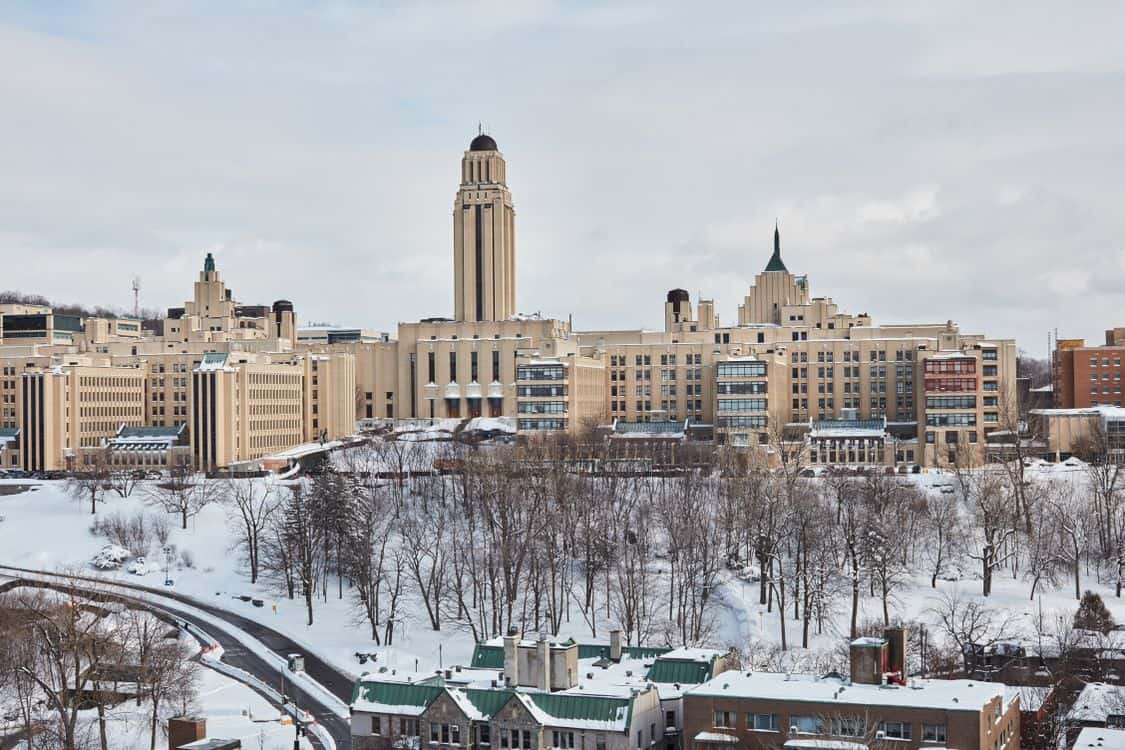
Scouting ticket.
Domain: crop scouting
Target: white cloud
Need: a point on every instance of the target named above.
(650, 145)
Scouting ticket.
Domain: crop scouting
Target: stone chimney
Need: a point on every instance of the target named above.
(183, 730)
(896, 650)
(867, 659)
(543, 670)
(615, 644)
(512, 658)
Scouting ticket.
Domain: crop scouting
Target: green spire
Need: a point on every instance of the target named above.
(775, 263)
(209, 263)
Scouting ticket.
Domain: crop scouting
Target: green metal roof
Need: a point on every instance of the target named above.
(595, 650)
(395, 693)
(583, 707)
(9, 432)
(488, 702)
(775, 263)
(679, 671)
(169, 431)
(490, 657)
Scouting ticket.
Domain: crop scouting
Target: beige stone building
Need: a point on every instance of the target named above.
(107, 385)
(823, 366)
(71, 408)
(793, 363)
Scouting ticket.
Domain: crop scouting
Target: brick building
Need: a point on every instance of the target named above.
(875, 707)
(1085, 376)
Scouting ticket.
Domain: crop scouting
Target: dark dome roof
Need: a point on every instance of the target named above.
(678, 295)
(483, 143)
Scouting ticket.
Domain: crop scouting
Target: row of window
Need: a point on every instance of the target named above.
(840, 727)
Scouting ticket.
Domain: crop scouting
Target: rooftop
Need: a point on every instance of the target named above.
(1100, 738)
(948, 695)
(1096, 702)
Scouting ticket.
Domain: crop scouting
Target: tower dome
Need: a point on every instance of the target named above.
(483, 143)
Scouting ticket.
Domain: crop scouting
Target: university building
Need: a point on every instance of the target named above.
(221, 385)
(793, 362)
(244, 379)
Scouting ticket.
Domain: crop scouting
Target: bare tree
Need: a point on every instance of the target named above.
(73, 646)
(250, 505)
(123, 480)
(944, 527)
(184, 493)
(973, 625)
(89, 477)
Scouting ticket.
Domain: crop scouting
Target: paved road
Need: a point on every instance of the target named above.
(239, 656)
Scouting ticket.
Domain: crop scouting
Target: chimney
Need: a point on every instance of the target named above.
(512, 658)
(615, 645)
(183, 730)
(543, 673)
(896, 650)
(867, 657)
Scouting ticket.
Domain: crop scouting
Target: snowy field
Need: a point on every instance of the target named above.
(44, 528)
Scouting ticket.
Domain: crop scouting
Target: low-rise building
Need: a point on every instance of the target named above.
(876, 707)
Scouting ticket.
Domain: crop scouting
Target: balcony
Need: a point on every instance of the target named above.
(495, 390)
(453, 391)
(431, 391)
(473, 390)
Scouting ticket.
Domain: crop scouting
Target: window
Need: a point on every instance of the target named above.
(435, 730)
(484, 734)
(527, 739)
(763, 722)
(455, 734)
(933, 733)
(376, 725)
(741, 369)
(851, 727)
(562, 739)
(724, 719)
(806, 724)
(670, 719)
(895, 730)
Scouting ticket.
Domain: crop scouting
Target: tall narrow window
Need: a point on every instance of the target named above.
(496, 365)
(453, 367)
(433, 367)
(473, 367)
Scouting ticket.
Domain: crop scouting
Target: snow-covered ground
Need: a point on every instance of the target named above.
(233, 712)
(46, 529)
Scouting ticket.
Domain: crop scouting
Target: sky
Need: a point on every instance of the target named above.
(925, 161)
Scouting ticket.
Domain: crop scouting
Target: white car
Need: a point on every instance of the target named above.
(105, 563)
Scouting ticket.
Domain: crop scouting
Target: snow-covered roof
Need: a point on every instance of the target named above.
(1096, 702)
(716, 737)
(948, 695)
(1100, 738)
(1105, 412)
(813, 744)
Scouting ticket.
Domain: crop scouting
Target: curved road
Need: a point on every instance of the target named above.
(234, 652)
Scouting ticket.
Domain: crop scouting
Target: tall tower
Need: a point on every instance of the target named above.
(484, 237)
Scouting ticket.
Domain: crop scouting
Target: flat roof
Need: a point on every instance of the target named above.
(949, 695)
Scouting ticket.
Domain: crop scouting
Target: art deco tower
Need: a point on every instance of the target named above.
(484, 237)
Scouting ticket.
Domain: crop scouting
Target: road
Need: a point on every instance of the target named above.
(235, 652)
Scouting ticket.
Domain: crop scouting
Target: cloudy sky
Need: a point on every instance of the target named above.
(926, 161)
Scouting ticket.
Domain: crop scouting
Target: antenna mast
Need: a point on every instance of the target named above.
(137, 297)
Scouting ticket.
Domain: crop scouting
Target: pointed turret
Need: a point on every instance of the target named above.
(775, 263)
